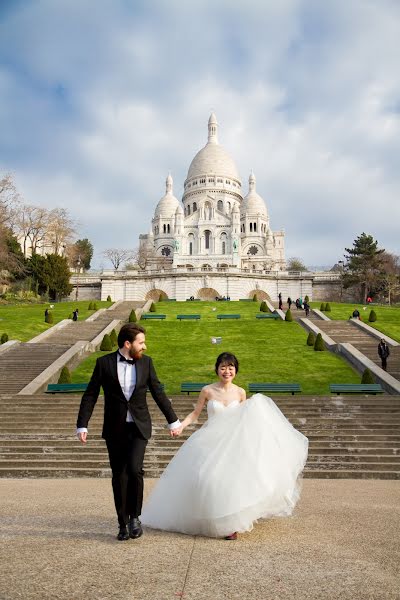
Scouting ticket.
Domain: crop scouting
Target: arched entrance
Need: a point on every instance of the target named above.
(207, 294)
(156, 295)
(260, 295)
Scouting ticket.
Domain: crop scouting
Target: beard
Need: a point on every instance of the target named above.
(135, 355)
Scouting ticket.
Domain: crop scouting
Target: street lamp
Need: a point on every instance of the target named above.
(341, 267)
(78, 266)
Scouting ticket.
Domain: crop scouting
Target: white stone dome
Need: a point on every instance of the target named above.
(253, 204)
(168, 204)
(213, 159)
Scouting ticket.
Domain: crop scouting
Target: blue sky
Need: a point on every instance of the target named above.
(100, 99)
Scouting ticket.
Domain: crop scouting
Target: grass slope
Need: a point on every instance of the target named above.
(25, 321)
(268, 350)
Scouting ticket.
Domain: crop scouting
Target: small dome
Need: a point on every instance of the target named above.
(179, 210)
(168, 204)
(253, 203)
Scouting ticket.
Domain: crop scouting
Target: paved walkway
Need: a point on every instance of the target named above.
(57, 541)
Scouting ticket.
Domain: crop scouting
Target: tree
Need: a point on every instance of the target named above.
(60, 228)
(296, 264)
(9, 198)
(81, 250)
(52, 274)
(391, 276)
(117, 256)
(364, 265)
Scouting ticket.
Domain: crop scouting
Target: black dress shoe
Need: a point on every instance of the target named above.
(123, 534)
(135, 528)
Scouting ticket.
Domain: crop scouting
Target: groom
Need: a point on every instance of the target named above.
(125, 376)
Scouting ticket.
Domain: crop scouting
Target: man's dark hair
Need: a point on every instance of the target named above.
(226, 358)
(128, 333)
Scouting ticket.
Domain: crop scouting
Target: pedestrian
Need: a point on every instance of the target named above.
(356, 313)
(46, 314)
(75, 314)
(280, 304)
(297, 303)
(384, 352)
(306, 307)
(289, 302)
(125, 376)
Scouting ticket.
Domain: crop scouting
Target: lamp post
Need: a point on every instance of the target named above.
(78, 267)
(341, 266)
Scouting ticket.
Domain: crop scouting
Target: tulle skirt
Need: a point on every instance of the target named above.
(242, 465)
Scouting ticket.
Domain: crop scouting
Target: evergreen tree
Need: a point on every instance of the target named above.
(319, 345)
(109, 299)
(367, 377)
(65, 376)
(113, 338)
(288, 315)
(365, 265)
(322, 307)
(311, 339)
(132, 317)
(4, 338)
(152, 307)
(106, 344)
(52, 275)
(372, 316)
(49, 318)
(327, 307)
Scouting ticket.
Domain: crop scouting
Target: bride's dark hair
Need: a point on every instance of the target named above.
(226, 358)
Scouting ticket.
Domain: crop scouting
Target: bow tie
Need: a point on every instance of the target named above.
(127, 360)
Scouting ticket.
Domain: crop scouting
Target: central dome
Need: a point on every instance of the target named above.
(213, 159)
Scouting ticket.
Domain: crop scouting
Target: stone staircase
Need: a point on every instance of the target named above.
(350, 437)
(23, 362)
(344, 331)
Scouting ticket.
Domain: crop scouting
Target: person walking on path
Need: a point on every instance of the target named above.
(280, 304)
(306, 307)
(384, 353)
(289, 302)
(75, 314)
(125, 376)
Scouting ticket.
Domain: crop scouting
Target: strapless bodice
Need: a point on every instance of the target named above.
(215, 406)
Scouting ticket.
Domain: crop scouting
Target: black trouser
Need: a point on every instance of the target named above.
(384, 362)
(126, 456)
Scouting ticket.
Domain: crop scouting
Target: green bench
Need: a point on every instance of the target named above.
(66, 388)
(188, 317)
(267, 316)
(356, 388)
(275, 388)
(246, 300)
(152, 316)
(193, 300)
(188, 387)
(228, 317)
(169, 300)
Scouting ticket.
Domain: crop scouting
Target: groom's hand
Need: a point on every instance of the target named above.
(82, 437)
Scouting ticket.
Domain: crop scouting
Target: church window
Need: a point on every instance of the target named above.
(168, 229)
(188, 209)
(190, 247)
(253, 250)
(220, 180)
(255, 226)
(166, 251)
(194, 206)
(211, 181)
(207, 235)
(227, 181)
(223, 247)
(229, 206)
(251, 227)
(164, 229)
(220, 205)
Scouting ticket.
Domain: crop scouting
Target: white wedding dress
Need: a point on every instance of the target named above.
(243, 464)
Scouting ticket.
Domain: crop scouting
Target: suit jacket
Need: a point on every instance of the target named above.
(105, 375)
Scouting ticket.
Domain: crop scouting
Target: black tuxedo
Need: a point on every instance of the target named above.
(126, 442)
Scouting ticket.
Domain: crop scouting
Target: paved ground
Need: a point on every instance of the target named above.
(57, 541)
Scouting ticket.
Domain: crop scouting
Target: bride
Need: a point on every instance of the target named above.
(242, 465)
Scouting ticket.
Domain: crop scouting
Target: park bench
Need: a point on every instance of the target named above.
(275, 388)
(246, 300)
(169, 300)
(267, 316)
(188, 317)
(188, 387)
(152, 316)
(228, 317)
(356, 388)
(66, 388)
(192, 299)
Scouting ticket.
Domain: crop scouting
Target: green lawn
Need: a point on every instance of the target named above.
(25, 321)
(268, 350)
(388, 317)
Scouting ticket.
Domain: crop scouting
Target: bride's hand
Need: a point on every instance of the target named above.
(177, 431)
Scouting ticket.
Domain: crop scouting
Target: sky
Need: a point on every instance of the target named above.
(101, 99)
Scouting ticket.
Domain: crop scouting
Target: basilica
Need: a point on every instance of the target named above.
(215, 226)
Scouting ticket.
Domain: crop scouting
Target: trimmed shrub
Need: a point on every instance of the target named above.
(307, 299)
(288, 315)
(367, 377)
(263, 306)
(106, 344)
(327, 307)
(132, 317)
(372, 316)
(311, 339)
(152, 307)
(65, 376)
(109, 299)
(90, 307)
(322, 307)
(95, 307)
(319, 345)
(114, 338)
(255, 298)
(4, 338)
(49, 318)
